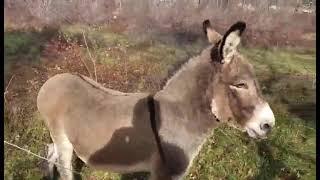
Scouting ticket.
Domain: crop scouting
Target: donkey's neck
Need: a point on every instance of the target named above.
(185, 111)
(184, 81)
(187, 95)
(191, 78)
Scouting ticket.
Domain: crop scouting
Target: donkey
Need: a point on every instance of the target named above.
(160, 133)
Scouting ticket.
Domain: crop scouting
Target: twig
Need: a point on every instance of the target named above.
(6, 90)
(91, 58)
(85, 64)
(9, 83)
(40, 157)
(95, 60)
(86, 67)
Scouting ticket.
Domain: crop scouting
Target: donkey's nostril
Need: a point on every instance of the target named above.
(265, 127)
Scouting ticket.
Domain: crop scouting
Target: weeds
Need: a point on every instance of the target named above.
(129, 65)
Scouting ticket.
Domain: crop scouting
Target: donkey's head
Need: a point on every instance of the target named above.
(237, 98)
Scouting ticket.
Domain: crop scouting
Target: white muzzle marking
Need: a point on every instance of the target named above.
(261, 122)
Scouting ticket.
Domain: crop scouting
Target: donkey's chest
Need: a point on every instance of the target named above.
(180, 147)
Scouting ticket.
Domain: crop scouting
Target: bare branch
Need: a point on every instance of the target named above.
(91, 58)
(6, 90)
(85, 64)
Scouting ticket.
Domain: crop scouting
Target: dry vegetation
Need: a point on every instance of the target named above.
(270, 22)
(135, 44)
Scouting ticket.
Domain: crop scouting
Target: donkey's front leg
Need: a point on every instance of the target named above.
(164, 176)
(158, 174)
(159, 170)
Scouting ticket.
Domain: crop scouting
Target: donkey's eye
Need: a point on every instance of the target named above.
(241, 85)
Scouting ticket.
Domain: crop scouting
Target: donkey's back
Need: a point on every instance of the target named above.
(107, 129)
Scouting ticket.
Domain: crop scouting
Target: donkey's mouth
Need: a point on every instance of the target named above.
(254, 134)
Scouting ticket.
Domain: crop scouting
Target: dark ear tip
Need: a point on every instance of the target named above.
(206, 23)
(240, 25)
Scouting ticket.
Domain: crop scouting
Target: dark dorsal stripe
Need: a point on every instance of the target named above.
(79, 75)
(152, 111)
(94, 85)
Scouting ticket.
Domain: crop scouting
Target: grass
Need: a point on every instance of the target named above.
(99, 37)
(24, 46)
(286, 77)
(284, 61)
(135, 49)
(31, 136)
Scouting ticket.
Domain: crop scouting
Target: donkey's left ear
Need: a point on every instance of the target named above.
(212, 35)
(230, 41)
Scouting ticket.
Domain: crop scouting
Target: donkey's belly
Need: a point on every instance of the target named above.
(141, 166)
(123, 149)
(127, 150)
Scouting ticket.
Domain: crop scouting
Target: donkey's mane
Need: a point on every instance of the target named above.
(172, 71)
(177, 68)
(183, 65)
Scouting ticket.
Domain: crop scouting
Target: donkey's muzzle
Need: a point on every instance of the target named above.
(266, 127)
(262, 122)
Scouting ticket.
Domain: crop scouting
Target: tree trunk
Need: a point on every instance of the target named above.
(225, 4)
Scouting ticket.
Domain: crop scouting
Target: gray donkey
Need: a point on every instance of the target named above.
(161, 133)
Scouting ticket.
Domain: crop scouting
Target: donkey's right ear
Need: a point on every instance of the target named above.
(212, 35)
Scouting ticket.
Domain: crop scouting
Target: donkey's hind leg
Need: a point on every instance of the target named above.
(65, 151)
(52, 156)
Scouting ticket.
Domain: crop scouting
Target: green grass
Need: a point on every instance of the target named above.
(32, 136)
(99, 37)
(285, 75)
(24, 46)
(283, 60)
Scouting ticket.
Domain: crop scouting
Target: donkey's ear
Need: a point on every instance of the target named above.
(230, 41)
(212, 35)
